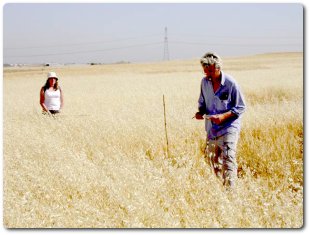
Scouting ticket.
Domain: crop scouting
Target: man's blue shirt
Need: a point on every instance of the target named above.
(227, 98)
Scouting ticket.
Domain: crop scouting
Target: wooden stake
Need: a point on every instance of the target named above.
(166, 126)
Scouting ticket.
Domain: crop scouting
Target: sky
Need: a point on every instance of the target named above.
(135, 32)
(109, 33)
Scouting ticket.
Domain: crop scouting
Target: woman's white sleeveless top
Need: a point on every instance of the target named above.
(52, 99)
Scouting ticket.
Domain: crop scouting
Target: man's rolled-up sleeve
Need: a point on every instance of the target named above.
(239, 102)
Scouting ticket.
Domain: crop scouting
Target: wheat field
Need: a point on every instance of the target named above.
(102, 162)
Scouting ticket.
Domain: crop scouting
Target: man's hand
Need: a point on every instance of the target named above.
(220, 118)
(217, 119)
(198, 116)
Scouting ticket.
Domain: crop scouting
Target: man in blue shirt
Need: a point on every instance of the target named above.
(221, 104)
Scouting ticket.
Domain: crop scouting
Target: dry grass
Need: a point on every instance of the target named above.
(102, 162)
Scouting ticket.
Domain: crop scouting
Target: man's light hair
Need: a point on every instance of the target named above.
(211, 58)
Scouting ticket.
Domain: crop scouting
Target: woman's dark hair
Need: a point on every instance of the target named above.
(47, 85)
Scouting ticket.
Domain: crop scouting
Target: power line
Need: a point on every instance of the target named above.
(81, 44)
(178, 35)
(166, 49)
(233, 44)
(88, 51)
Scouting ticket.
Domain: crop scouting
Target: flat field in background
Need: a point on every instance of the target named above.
(102, 163)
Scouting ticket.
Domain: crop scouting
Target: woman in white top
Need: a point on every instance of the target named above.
(51, 96)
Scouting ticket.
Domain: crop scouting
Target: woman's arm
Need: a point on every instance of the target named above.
(61, 99)
(42, 100)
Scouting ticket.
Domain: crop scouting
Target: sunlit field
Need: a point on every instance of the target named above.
(103, 162)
